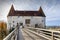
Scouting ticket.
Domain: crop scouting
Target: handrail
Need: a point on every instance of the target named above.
(11, 35)
(48, 34)
(45, 29)
(53, 34)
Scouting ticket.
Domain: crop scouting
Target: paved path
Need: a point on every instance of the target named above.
(20, 36)
(26, 37)
(23, 34)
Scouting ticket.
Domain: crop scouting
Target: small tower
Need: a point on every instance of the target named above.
(11, 10)
(41, 11)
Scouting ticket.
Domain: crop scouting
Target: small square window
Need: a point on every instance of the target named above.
(18, 16)
(13, 21)
(27, 21)
(42, 20)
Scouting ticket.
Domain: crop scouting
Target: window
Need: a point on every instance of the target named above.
(13, 25)
(9, 23)
(13, 21)
(21, 23)
(18, 16)
(42, 20)
(27, 21)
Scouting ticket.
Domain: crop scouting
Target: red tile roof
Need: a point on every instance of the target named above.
(26, 13)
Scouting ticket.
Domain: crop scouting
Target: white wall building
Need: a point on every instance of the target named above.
(26, 18)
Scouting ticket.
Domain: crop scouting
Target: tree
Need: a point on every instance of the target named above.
(3, 31)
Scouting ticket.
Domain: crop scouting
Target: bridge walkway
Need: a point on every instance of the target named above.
(26, 35)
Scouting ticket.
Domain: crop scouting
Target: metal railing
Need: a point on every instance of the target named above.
(48, 34)
(12, 35)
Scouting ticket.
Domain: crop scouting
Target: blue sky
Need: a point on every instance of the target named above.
(51, 8)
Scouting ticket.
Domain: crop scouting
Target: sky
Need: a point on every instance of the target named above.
(51, 9)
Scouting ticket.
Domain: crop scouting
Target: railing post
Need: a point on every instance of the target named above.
(16, 34)
(52, 36)
(16, 37)
(38, 31)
